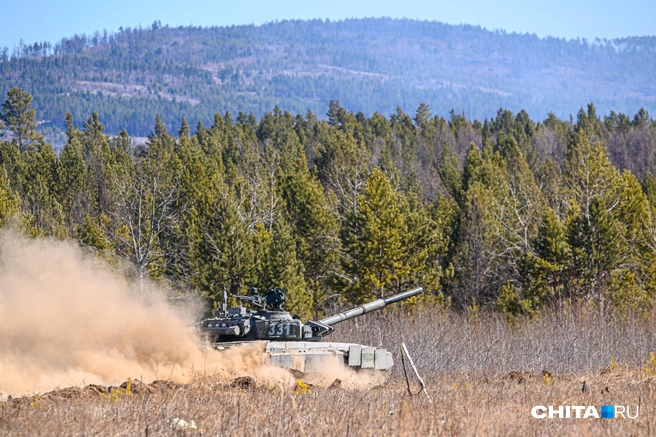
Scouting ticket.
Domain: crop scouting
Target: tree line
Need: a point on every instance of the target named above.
(367, 64)
(508, 214)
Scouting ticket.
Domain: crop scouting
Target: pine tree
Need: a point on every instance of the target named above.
(374, 238)
(20, 119)
(427, 240)
(649, 187)
(589, 174)
(423, 115)
(96, 153)
(71, 128)
(223, 255)
(9, 202)
(342, 167)
(474, 258)
(548, 276)
(44, 211)
(448, 168)
(14, 166)
(336, 113)
(314, 224)
(285, 271)
(71, 178)
(598, 247)
(188, 168)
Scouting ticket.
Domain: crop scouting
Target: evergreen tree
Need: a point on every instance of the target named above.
(374, 238)
(224, 253)
(423, 115)
(14, 166)
(589, 174)
(45, 214)
(9, 202)
(549, 271)
(20, 119)
(342, 167)
(71, 178)
(284, 270)
(598, 247)
(314, 224)
(96, 153)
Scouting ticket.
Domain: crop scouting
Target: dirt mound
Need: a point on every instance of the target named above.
(131, 387)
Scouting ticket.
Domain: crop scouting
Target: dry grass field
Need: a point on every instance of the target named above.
(484, 377)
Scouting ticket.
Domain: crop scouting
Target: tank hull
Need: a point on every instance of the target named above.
(317, 357)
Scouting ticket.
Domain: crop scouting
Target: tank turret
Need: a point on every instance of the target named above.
(268, 321)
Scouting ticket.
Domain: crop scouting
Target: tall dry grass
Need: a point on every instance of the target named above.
(444, 342)
(483, 376)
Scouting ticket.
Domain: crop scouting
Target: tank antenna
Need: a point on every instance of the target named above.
(224, 305)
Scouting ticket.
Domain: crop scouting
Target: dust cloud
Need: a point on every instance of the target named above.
(330, 370)
(67, 320)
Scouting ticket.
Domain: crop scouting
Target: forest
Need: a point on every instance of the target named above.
(508, 215)
(369, 65)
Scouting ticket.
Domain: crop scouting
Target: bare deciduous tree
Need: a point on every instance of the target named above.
(144, 210)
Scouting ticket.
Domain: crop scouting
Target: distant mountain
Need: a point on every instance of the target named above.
(367, 64)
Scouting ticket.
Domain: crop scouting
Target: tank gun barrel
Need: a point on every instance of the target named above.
(369, 306)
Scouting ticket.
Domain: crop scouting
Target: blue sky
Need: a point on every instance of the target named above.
(47, 20)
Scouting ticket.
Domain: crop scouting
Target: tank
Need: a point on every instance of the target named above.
(291, 343)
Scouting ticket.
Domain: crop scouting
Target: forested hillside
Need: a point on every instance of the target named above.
(367, 65)
(508, 214)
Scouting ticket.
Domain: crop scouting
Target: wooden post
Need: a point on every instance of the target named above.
(412, 364)
(405, 372)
